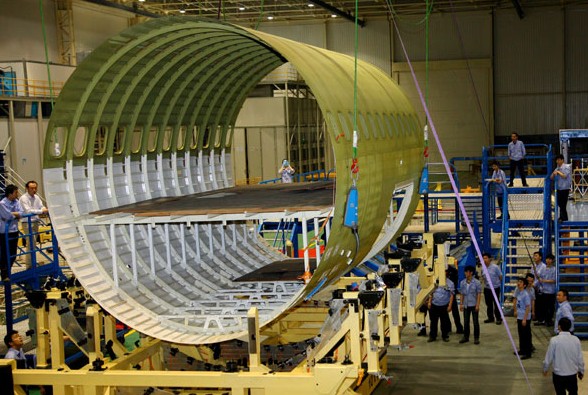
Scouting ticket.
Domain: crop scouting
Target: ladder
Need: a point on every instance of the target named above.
(524, 231)
(525, 225)
(572, 258)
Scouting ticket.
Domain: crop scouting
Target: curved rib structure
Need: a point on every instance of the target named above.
(150, 114)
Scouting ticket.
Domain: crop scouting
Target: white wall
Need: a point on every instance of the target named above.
(22, 33)
(373, 41)
(94, 25)
(461, 114)
(262, 111)
(24, 150)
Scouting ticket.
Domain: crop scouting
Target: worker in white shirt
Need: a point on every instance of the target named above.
(31, 204)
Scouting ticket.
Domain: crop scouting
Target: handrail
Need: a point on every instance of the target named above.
(297, 177)
(32, 277)
(11, 176)
(504, 249)
(546, 146)
(25, 87)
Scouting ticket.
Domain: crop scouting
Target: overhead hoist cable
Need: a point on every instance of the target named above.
(354, 164)
(46, 53)
(351, 216)
(260, 16)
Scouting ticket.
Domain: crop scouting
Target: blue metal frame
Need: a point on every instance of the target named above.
(489, 206)
(29, 279)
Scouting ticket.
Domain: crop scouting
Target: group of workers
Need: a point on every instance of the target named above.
(12, 208)
(516, 154)
(533, 300)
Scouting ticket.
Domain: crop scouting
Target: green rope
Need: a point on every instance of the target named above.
(46, 52)
(355, 75)
(260, 16)
(427, 54)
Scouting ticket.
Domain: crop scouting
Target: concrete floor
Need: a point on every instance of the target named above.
(489, 368)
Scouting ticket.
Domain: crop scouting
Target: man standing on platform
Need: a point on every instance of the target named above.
(31, 204)
(286, 171)
(565, 354)
(499, 178)
(10, 211)
(563, 183)
(516, 154)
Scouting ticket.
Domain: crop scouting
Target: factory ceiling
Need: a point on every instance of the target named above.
(251, 12)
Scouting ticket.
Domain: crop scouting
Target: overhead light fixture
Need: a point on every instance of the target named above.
(270, 17)
(309, 4)
(182, 11)
(333, 16)
(141, 1)
(241, 8)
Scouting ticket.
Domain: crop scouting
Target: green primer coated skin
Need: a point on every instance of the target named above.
(153, 84)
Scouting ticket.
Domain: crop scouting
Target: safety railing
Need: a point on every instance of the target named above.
(10, 176)
(39, 252)
(315, 175)
(24, 87)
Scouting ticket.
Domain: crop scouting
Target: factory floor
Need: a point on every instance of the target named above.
(489, 368)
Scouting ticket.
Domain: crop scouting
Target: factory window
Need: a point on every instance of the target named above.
(195, 137)
(218, 136)
(389, 125)
(362, 125)
(181, 142)
(346, 128)
(167, 138)
(331, 122)
(206, 138)
(415, 123)
(100, 140)
(401, 125)
(151, 140)
(58, 141)
(379, 126)
(373, 126)
(119, 140)
(229, 137)
(410, 125)
(136, 138)
(80, 140)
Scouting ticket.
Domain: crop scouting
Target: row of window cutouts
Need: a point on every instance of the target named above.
(220, 139)
(394, 125)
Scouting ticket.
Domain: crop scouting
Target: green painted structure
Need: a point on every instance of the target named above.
(150, 114)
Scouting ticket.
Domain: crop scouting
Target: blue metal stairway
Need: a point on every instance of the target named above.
(47, 267)
(280, 233)
(523, 233)
(572, 259)
(525, 224)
